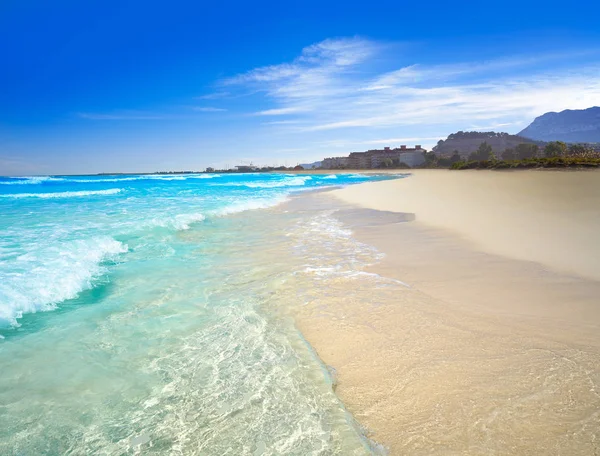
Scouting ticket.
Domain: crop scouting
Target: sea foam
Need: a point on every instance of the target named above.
(251, 204)
(76, 194)
(296, 181)
(26, 180)
(40, 279)
(37, 180)
(179, 222)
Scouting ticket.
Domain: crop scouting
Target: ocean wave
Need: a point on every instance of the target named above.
(296, 181)
(330, 176)
(158, 177)
(204, 176)
(126, 179)
(110, 191)
(293, 182)
(40, 280)
(29, 180)
(35, 180)
(180, 222)
(248, 205)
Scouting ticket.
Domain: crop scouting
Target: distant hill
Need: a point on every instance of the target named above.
(468, 141)
(574, 126)
(312, 165)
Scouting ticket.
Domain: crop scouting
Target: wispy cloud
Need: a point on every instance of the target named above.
(284, 122)
(331, 85)
(315, 63)
(318, 73)
(279, 111)
(213, 96)
(208, 109)
(376, 142)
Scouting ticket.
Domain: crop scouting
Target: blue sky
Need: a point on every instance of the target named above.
(102, 86)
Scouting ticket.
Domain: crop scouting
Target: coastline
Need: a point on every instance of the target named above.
(484, 351)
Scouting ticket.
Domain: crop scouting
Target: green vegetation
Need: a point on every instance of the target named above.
(556, 154)
(483, 153)
(525, 151)
(556, 149)
(481, 135)
(534, 162)
(509, 155)
(433, 161)
(393, 163)
(469, 142)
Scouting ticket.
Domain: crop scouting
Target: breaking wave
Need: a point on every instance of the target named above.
(25, 180)
(296, 181)
(257, 203)
(110, 191)
(36, 180)
(49, 275)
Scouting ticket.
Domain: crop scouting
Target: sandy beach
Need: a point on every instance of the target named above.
(482, 336)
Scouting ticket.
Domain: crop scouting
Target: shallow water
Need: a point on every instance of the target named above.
(137, 314)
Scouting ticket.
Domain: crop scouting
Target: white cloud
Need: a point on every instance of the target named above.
(213, 96)
(279, 111)
(208, 109)
(324, 58)
(332, 85)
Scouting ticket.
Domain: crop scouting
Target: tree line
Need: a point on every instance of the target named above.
(553, 153)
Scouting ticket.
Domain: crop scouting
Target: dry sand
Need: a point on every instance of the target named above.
(551, 217)
(494, 346)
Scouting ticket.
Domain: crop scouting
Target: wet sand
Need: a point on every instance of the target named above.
(493, 345)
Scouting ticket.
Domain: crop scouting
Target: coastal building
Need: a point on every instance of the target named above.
(246, 168)
(376, 158)
(359, 160)
(336, 163)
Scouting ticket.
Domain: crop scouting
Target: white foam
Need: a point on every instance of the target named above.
(158, 177)
(204, 176)
(34, 180)
(113, 179)
(330, 176)
(292, 182)
(357, 176)
(29, 180)
(131, 178)
(183, 221)
(110, 191)
(44, 277)
(179, 222)
(326, 225)
(257, 203)
(329, 271)
(296, 181)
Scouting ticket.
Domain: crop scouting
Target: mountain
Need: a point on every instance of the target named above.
(466, 142)
(580, 125)
(312, 165)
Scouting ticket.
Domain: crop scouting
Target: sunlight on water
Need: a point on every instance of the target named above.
(135, 316)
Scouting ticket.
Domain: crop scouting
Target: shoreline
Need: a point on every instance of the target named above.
(482, 353)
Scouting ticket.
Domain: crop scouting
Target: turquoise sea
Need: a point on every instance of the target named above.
(139, 314)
